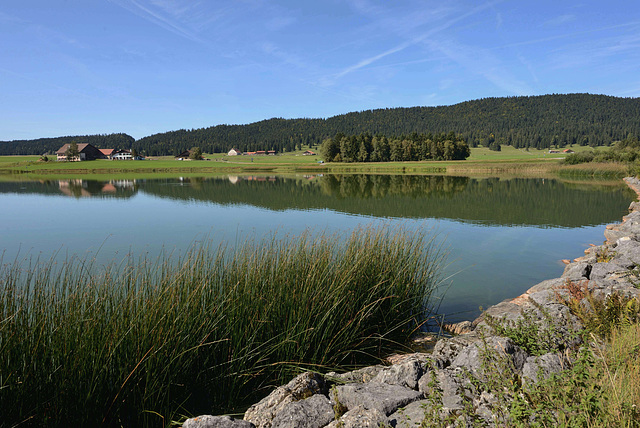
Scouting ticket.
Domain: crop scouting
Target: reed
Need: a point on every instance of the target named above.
(147, 342)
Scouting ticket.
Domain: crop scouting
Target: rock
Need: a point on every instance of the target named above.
(405, 374)
(471, 356)
(361, 375)
(602, 271)
(577, 271)
(313, 412)
(458, 328)
(361, 416)
(413, 414)
(208, 421)
(540, 368)
(303, 386)
(446, 350)
(373, 395)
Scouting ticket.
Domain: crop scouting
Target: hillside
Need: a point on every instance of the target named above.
(51, 145)
(535, 121)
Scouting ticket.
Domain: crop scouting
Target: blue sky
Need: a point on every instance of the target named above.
(73, 67)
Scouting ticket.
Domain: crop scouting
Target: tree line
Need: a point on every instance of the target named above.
(415, 147)
(538, 122)
(49, 146)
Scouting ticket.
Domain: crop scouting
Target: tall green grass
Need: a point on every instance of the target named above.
(145, 343)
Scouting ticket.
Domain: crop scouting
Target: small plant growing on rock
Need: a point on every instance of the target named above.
(604, 255)
(536, 332)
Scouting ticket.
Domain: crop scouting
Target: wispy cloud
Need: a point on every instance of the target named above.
(560, 20)
(482, 63)
(424, 36)
(168, 15)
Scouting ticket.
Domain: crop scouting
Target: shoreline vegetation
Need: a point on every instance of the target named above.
(146, 342)
(481, 162)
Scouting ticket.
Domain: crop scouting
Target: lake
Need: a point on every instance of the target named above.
(502, 235)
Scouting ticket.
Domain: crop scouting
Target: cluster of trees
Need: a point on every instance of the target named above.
(51, 145)
(415, 147)
(627, 150)
(537, 122)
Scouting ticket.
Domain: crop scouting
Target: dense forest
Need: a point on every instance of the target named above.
(535, 121)
(51, 145)
(415, 147)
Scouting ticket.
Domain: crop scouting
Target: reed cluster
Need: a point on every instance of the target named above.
(147, 342)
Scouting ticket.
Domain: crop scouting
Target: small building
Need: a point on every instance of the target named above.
(234, 152)
(308, 153)
(107, 153)
(85, 152)
(567, 151)
(184, 155)
(122, 155)
(271, 152)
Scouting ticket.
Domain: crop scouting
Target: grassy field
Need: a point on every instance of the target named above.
(517, 162)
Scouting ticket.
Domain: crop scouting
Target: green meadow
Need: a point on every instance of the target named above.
(482, 161)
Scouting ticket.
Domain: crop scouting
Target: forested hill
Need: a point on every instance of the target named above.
(51, 145)
(540, 122)
(537, 122)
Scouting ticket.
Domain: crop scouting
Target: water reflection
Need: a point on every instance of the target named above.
(518, 201)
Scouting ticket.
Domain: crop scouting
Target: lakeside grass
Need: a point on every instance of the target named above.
(148, 342)
(512, 161)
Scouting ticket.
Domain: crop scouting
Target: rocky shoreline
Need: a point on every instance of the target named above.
(445, 386)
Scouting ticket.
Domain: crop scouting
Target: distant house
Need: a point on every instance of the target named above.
(107, 153)
(122, 155)
(184, 155)
(234, 152)
(261, 153)
(271, 152)
(568, 151)
(308, 153)
(554, 151)
(85, 152)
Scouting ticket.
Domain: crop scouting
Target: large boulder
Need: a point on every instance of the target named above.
(374, 395)
(301, 387)
(313, 412)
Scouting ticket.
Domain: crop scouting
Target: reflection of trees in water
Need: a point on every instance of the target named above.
(379, 186)
(491, 200)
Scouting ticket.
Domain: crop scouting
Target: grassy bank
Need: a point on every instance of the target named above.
(145, 343)
(482, 161)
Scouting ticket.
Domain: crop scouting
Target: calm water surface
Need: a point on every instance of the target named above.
(503, 236)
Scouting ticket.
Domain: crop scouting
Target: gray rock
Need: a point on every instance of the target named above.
(313, 412)
(539, 368)
(364, 374)
(373, 395)
(208, 421)
(446, 350)
(412, 415)
(405, 374)
(577, 271)
(361, 416)
(471, 356)
(603, 271)
(303, 386)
